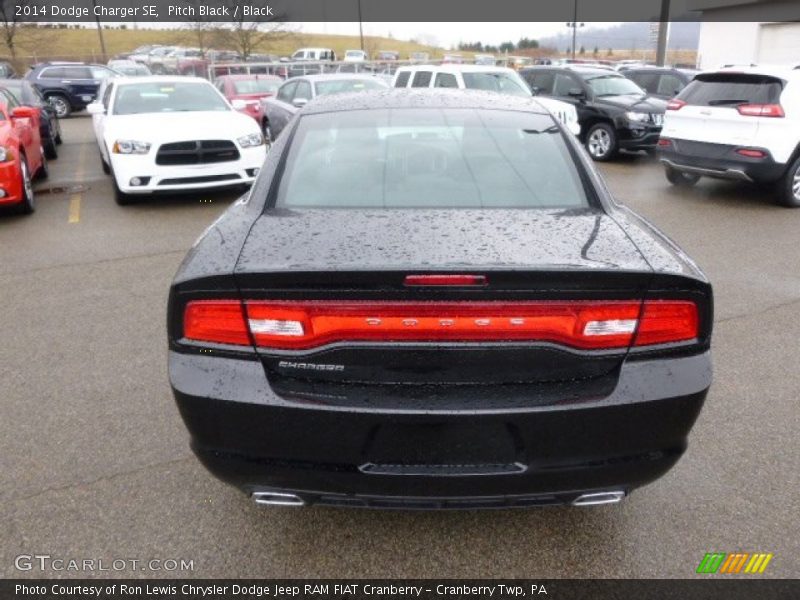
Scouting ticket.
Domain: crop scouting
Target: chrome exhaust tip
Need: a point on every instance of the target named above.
(597, 498)
(276, 499)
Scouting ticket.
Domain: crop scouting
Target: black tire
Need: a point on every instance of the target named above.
(50, 150)
(681, 178)
(61, 105)
(28, 204)
(789, 187)
(601, 142)
(121, 197)
(268, 133)
(44, 170)
(104, 164)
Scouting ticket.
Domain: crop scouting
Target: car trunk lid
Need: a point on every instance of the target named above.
(350, 270)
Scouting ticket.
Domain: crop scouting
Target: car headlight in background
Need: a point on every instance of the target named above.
(249, 141)
(637, 117)
(130, 147)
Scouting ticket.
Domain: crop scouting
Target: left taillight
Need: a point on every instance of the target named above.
(216, 321)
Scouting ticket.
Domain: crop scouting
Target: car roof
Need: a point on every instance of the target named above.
(451, 68)
(248, 77)
(333, 77)
(436, 98)
(160, 79)
(779, 71)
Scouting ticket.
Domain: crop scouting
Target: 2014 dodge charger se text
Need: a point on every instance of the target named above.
(430, 300)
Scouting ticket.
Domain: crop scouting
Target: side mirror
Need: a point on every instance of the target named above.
(576, 93)
(96, 108)
(300, 102)
(23, 112)
(238, 104)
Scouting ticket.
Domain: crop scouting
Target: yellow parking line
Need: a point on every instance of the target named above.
(75, 199)
(75, 208)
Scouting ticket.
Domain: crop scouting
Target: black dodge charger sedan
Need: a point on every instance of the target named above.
(429, 299)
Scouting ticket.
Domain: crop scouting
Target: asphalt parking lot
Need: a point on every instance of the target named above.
(95, 460)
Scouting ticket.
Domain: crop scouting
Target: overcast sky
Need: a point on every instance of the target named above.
(447, 34)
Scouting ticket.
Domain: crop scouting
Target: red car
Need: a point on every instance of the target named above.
(249, 89)
(21, 155)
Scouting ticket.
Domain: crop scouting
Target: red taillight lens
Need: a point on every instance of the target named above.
(751, 153)
(675, 104)
(218, 321)
(667, 321)
(761, 110)
(303, 325)
(664, 142)
(588, 325)
(445, 280)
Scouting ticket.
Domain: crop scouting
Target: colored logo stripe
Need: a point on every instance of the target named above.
(711, 562)
(734, 562)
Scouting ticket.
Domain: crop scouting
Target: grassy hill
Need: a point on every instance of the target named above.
(83, 44)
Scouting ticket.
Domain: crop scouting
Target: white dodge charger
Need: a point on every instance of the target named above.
(163, 134)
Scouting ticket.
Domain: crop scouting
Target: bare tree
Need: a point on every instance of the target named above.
(248, 36)
(14, 28)
(201, 29)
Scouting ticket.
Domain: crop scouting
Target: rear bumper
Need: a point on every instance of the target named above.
(252, 438)
(721, 161)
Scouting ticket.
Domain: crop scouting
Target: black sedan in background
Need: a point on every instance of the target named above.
(663, 82)
(50, 128)
(429, 300)
(614, 113)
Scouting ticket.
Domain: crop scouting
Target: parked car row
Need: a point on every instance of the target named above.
(22, 153)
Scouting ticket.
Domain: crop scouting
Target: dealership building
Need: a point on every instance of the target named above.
(732, 34)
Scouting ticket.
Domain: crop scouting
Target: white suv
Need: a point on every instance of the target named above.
(739, 123)
(482, 77)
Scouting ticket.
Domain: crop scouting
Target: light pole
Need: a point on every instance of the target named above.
(663, 34)
(574, 24)
(360, 26)
(100, 31)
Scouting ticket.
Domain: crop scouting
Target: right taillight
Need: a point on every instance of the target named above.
(761, 110)
(675, 104)
(667, 321)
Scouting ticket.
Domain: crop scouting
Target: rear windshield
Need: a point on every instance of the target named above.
(430, 158)
(721, 89)
(338, 86)
(256, 86)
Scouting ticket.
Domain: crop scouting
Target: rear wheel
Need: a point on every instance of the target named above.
(61, 105)
(44, 170)
(267, 132)
(789, 191)
(601, 142)
(681, 178)
(50, 150)
(28, 204)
